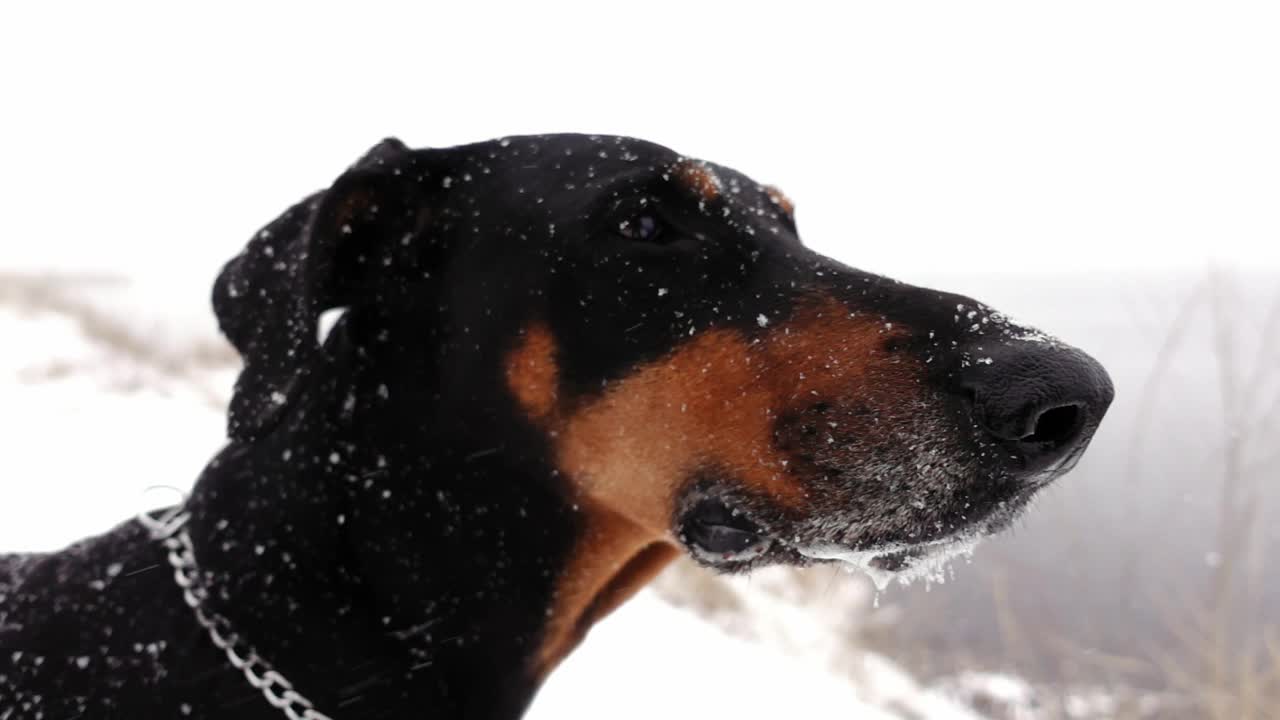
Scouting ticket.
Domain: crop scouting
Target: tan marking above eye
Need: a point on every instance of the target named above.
(350, 206)
(780, 199)
(699, 178)
(710, 402)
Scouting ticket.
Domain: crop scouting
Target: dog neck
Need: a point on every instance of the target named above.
(458, 576)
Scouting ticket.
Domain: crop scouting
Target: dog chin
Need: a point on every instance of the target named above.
(928, 560)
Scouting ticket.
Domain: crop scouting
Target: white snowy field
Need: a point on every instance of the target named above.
(651, 659)
(112, 403)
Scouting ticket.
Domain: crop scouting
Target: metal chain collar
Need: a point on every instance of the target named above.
(170, 530)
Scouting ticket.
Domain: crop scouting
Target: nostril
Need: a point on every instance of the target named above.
(1056, 426)
(1040, 404)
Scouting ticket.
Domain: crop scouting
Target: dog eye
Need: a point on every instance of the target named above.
(644, 227)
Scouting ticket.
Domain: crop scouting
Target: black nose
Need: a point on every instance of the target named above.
(1039, 402)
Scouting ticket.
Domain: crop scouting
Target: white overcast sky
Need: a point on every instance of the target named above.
(915, 137)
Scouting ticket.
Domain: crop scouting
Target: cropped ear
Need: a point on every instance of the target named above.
(342, 247)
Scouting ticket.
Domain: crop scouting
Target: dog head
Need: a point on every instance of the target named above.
(653, 330)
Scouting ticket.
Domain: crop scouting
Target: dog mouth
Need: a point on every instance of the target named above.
(928, 558)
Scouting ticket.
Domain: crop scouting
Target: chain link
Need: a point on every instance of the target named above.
(170, 530)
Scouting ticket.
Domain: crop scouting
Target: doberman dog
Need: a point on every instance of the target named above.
(560, 360)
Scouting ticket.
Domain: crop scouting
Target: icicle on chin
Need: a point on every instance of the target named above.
(903, 563)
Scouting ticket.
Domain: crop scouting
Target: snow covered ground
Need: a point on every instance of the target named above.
(666, 662)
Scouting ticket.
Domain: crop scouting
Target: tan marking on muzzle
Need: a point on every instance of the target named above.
(698, 178)
(710, 403)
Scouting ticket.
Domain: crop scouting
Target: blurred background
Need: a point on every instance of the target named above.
(1106, 171)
